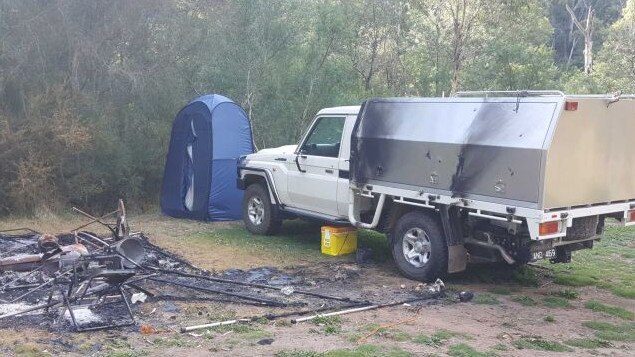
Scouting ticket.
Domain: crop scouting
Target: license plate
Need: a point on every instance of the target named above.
(543, 254)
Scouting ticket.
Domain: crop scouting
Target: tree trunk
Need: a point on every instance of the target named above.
(587, 32)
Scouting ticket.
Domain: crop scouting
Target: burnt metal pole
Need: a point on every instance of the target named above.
(256, 285)
(267, 316)
(363, 308)
(216, 291)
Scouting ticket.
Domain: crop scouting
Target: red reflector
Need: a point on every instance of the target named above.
(571, 106)
(548, 228)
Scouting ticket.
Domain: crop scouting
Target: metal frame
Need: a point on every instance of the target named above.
(518, 93)
(487, 210)
(117, 287)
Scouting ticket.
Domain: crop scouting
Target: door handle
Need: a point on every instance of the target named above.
(328, 171)
(281, 159)
(297, 163)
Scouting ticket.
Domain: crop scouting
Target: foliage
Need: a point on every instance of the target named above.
(88, 90)
(617, 67)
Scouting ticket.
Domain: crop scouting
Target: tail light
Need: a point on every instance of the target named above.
(548, 228)
(631, 215)
(571, 106)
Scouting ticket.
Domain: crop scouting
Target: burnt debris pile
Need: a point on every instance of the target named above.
(83, 281)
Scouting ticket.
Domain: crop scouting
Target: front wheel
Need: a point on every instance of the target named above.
(258, 213)
(419, 247)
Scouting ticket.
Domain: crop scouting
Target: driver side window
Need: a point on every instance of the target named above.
(325, 137)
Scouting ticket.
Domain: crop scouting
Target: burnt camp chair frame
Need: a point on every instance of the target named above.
(113, 281)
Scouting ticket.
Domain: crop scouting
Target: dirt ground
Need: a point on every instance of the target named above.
(512, 314)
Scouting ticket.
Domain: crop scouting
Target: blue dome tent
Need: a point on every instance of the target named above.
(199, 182)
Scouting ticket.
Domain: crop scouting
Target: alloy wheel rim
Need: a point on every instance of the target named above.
(256, 210)
(416, 247)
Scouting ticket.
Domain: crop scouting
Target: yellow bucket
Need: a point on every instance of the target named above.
(338, 240)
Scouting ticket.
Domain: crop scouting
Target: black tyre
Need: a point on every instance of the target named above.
(419, 247)
(259, 214)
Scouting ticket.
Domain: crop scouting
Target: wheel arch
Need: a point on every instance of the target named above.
(395, 211)
(262, 177)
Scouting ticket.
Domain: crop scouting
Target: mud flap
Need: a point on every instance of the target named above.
(457, 258)
(457, 254)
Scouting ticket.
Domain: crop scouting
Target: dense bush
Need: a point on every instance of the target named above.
(88, 89)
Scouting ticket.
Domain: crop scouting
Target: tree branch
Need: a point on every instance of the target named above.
(574, 18)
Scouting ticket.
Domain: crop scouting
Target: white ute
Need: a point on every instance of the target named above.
(479, 177)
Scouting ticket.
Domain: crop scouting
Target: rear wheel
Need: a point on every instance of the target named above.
(419, 247)
(259, 214)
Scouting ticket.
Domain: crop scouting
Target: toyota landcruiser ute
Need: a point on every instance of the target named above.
(479, 177)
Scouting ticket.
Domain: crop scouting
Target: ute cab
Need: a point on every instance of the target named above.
(310, 179)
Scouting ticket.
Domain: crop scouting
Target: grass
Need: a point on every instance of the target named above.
(501, 290)
(29, 350)
(556, 302)
(606, 266)
(611, 332)
(624, 291)
(246, 331)
(166, 342)
(500, 347)
(431, 341)
(389, 333)
(525, 276)
(330, 324)
(282, 323)
(296, 353)
(464, 350)
(123, 354)
(524, 300)
(610, 310)
(297, 242)
(566, 293)
(550, 318)
(485, 299)
(588, 343)
(360, 351)
(296, 237)
(540, 344)
(438, 338)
